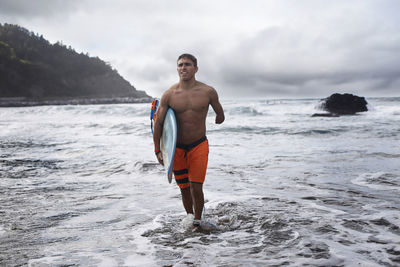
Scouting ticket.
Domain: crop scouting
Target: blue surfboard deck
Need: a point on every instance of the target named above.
(168, 141)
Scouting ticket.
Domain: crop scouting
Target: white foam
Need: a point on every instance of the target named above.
(139, 260)
(187, 222)
(143, 255)
(371, 180)
(106, 262)
(2, 230)
(44, 261)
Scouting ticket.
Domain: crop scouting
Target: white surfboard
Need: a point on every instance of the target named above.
(168, 141)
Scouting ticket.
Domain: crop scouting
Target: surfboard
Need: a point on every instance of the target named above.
(168, 141)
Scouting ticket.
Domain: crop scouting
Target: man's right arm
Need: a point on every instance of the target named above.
(216, 105)
(158, 125)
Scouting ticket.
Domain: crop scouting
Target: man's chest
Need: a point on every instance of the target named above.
(189, 101)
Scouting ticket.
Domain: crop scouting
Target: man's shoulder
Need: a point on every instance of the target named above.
(205, 87)
(170, 90)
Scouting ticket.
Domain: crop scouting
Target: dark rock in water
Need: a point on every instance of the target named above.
(344, 104)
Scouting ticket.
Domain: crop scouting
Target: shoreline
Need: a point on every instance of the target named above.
(26, 102)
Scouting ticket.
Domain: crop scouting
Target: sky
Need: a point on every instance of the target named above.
(245, 48)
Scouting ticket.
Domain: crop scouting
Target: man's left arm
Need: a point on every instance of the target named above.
(217, 107)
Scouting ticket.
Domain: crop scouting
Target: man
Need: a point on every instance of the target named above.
(190, 99)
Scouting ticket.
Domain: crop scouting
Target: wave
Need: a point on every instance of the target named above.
(122, 110)
(315, 132)
(260, 108)
(378, 181)
(247, 129)
(279, 130)
(244, 110)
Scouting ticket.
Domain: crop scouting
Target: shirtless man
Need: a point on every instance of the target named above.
(190, 100)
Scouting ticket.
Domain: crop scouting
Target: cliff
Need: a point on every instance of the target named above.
(33, 71)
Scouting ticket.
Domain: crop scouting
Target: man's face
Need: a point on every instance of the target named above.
(186, 69)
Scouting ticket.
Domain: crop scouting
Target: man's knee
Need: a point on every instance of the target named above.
(196, 187)
(186, 191)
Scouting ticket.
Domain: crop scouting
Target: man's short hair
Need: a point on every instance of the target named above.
(189, 56)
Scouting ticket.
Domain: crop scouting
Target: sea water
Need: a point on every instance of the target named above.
(80, 186)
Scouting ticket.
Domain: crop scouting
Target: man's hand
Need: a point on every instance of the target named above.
(160, 158)
(219, 119)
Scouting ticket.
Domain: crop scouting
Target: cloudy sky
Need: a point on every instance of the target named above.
(245, 48)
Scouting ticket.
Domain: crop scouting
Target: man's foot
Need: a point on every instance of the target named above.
(196, 226)
(197, 229)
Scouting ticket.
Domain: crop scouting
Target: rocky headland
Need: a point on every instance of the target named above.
(36, 72)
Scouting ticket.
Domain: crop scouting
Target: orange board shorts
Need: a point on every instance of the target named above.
(190, 163)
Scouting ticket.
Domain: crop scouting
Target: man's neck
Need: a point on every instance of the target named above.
(186, 85)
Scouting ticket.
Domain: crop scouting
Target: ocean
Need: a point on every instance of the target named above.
(80, 186)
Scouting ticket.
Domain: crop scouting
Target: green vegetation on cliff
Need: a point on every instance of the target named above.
(32, 68)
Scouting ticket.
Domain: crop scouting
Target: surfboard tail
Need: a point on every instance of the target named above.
(170, 176)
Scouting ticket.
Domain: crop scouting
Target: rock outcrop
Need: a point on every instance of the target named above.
(36, 71)
(342, 104)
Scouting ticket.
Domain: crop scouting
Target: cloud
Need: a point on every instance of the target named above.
(258, 48)
(37, 8)
(317, 60)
